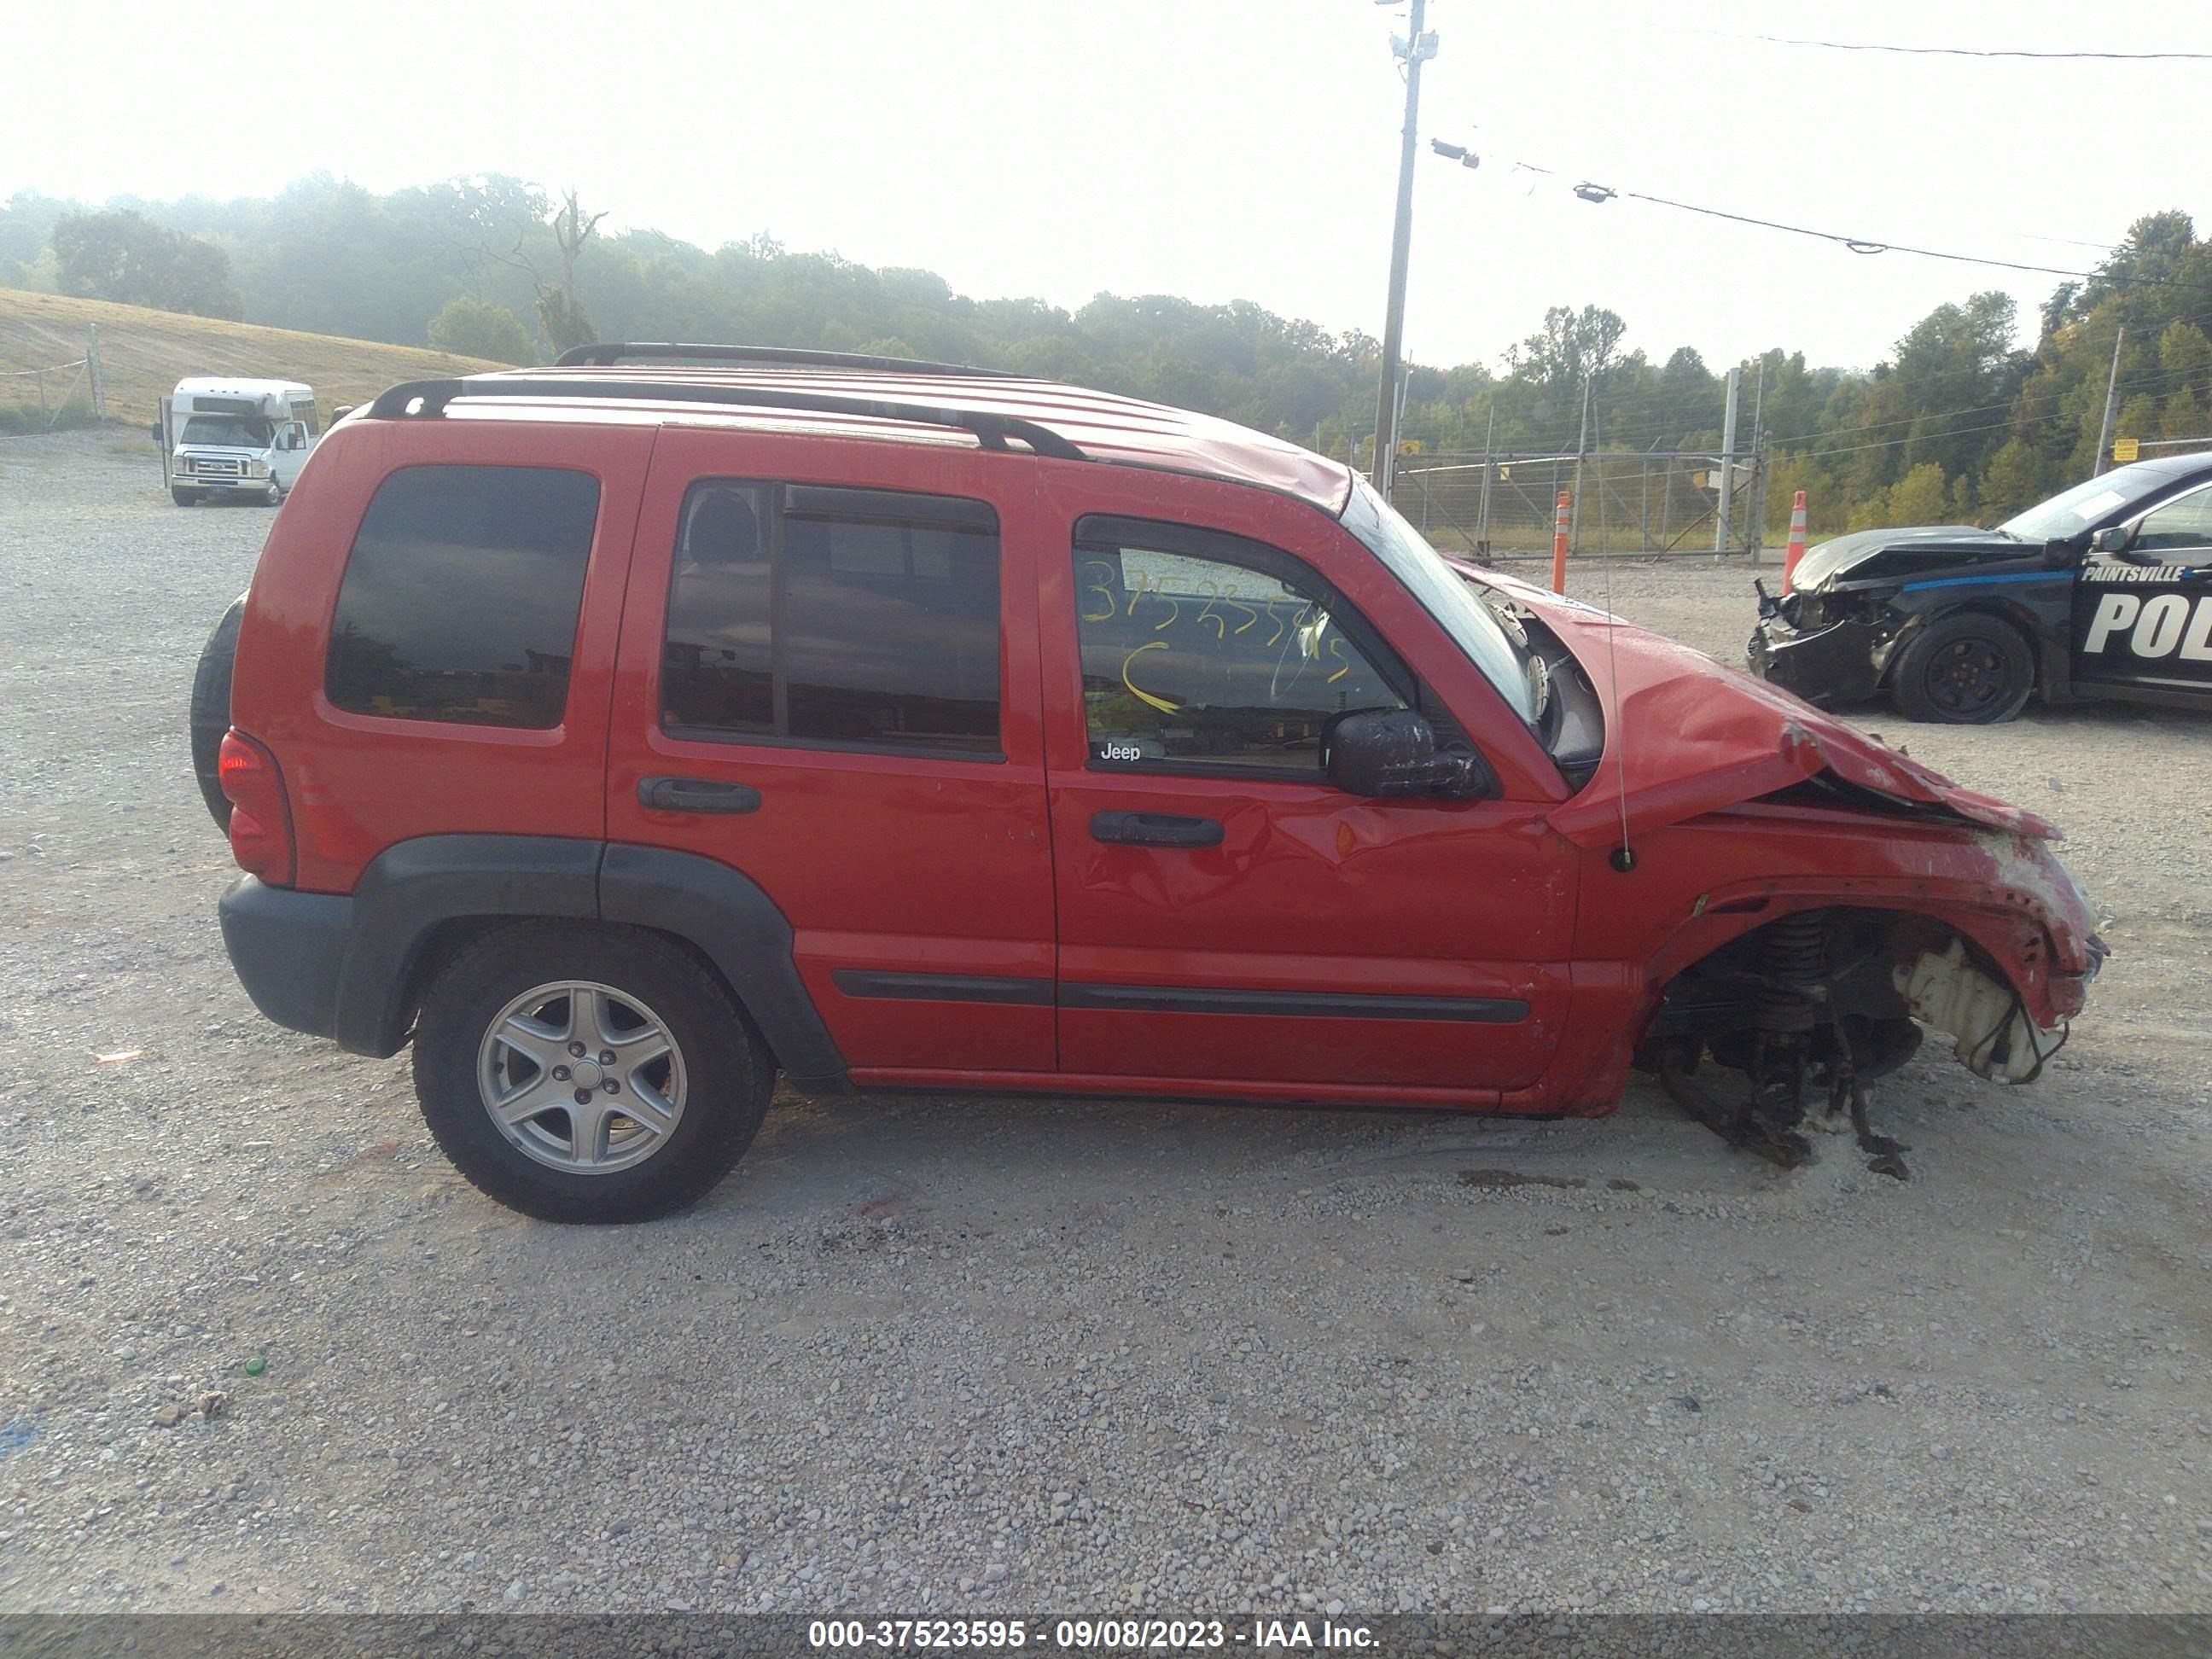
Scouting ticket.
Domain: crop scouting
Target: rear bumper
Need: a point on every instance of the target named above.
(288, 949)
(1839, 663)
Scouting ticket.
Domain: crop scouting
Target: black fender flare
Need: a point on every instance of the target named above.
(412, 889)
(726, 916)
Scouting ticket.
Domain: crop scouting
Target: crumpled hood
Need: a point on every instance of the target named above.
(1872, 555)
(1686, 736)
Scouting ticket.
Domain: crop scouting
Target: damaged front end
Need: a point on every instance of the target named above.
(1831, 647)
(1803, 901)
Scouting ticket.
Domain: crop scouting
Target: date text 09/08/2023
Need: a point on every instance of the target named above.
(1087, 1635)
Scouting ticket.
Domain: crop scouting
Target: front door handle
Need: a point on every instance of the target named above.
(697, 795)
(1155, 830)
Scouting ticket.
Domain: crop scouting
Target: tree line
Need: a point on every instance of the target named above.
(1956, 424)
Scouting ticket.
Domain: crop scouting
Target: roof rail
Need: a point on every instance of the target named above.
(601, 355)
(417, 399)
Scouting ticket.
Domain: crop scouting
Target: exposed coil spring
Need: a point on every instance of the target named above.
(1793, 960)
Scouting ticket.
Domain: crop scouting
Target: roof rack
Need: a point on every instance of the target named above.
(420, 398)
(602, 356)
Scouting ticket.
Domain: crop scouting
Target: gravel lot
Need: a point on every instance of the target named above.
(1026, 1355)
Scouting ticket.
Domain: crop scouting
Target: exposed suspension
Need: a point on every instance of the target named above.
(1793, 1015)
(1797, 1038)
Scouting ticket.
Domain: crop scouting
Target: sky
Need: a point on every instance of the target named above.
(1217, 149)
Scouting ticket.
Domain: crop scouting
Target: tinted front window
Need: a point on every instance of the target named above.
(462, 594)
(1230, 657)
(2180, 524)
(847, 617)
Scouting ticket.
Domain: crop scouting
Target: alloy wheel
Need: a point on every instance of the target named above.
(581, 1077)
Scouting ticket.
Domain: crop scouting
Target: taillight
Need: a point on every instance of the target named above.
(260, 822)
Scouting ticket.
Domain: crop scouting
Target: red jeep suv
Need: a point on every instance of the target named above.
(630, 731)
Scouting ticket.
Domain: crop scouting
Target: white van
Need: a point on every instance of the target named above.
(221, 436)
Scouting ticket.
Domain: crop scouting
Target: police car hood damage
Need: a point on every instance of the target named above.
(1894, 555)
(1687, 736)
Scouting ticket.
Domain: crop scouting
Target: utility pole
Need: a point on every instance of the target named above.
(1482, 519)
(1582, 448)
(1416, 47)
(1755, 536)
(2111, 406)
(1728, 462)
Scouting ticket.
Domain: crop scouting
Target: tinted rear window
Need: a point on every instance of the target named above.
(461, 596)
(841, 618)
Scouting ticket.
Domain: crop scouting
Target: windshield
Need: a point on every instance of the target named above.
(1472, 624)
(241, 431)
(2088, 505)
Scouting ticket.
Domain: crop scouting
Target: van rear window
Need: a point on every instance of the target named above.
(462, 594)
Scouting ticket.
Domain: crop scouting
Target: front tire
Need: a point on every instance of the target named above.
(274, 495)
(183, 497)
(581, 1074)
(1964, 670)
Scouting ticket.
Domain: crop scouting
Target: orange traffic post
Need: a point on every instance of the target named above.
(1560, 544)
(1796, 540)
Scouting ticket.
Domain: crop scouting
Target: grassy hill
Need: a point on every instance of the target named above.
(145, 353)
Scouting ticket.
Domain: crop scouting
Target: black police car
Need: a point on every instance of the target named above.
(2105, 591)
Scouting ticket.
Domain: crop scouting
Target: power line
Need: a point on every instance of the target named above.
(2134, 383)
(1640, 412)
(1589, 191)
(2138, 383)
(1892, 443)
(1975, 52)
(1856, 244)
(1949, 432)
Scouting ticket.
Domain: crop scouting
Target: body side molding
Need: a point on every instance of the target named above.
(1312, 1004)
(942, 988)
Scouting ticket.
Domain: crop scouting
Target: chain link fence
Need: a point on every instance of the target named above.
(1623, 502)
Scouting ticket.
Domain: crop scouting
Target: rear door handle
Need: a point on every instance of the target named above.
(697, 795)
(1155, 830)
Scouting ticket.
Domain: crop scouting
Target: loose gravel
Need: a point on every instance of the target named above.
(261, 1349)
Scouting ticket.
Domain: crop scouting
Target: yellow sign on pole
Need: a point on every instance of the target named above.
(1409, 446)
(2126, 449)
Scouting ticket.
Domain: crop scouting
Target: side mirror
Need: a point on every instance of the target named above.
(1391, 754)
(2114, 540)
